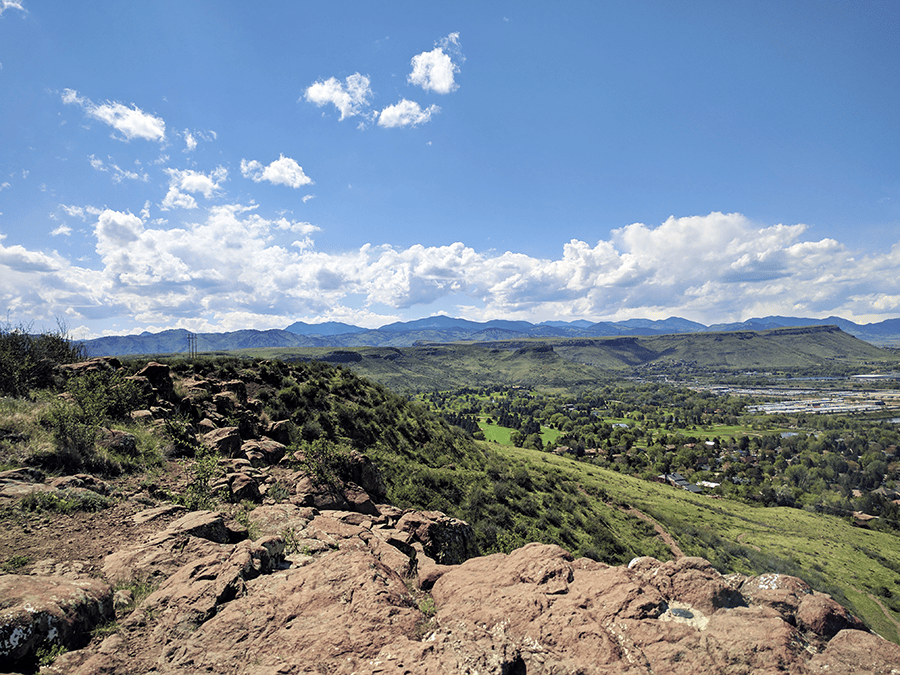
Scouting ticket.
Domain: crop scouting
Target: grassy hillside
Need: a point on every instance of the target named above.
(859, 567)
(435, 367)
(426, 463)
(778, 348)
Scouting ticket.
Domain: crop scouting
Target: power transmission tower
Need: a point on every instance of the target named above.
(192, 345)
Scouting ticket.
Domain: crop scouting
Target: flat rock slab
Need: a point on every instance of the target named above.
(156, 513)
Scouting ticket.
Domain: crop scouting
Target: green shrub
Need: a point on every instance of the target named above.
(65, 501)
(198, 493)
(15, 563)
(27, 361)
(324, 462)
(184, 439)
(48, 653)
(75, 437)
(91, 401)
(104, 395)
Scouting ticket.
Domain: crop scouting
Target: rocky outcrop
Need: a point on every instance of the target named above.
(18, 483)
(344, 605)
(447, 540)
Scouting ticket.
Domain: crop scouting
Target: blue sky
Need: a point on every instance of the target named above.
(225, 165)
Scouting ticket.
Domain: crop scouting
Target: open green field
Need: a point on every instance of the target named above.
(722, 431)
(859, 567)
(497, 434)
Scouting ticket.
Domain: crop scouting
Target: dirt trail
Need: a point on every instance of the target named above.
(667, 538)
(743, 536)
(884, 609)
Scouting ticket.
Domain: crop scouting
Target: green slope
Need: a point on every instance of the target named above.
(859, 567)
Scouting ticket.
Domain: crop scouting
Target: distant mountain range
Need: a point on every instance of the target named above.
(447, 329)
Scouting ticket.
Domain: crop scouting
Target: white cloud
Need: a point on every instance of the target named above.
(130, 122)
(63, 229)
(405, 113)
(188, 180)
(117, 173)
(81, 212)
(192, 140)
(350, 98)
(232, 265)
(283, 171)
(176, 199)
(10, 4)
(434, 71)
(3, 186)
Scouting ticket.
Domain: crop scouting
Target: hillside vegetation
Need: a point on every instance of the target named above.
(426, 463)
(510, 496)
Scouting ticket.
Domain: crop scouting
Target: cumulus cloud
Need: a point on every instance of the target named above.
(349, 97)
(130, 122)
(232, 265)
(435, 70)
(188, 180)
(283, 171)
(405, 114)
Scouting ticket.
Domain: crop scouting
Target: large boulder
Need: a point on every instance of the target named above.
(265, 451)
(17, 483)
(690, 580)
(360, 470)
(335, 615)
(224, 441)
(447, 540)
(820, 614)
(48, 611)
(283, 431)
(160, 378)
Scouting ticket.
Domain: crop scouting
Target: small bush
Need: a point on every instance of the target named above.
(199, 493)
(242, 516)
(279, 492)
(184, 439)
(48, 653)
(14, 564)
(324, 462)
(66, 501)
(75, 420)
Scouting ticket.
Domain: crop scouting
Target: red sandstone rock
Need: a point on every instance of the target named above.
(225, 441)
(48, 611)
(270, 451)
